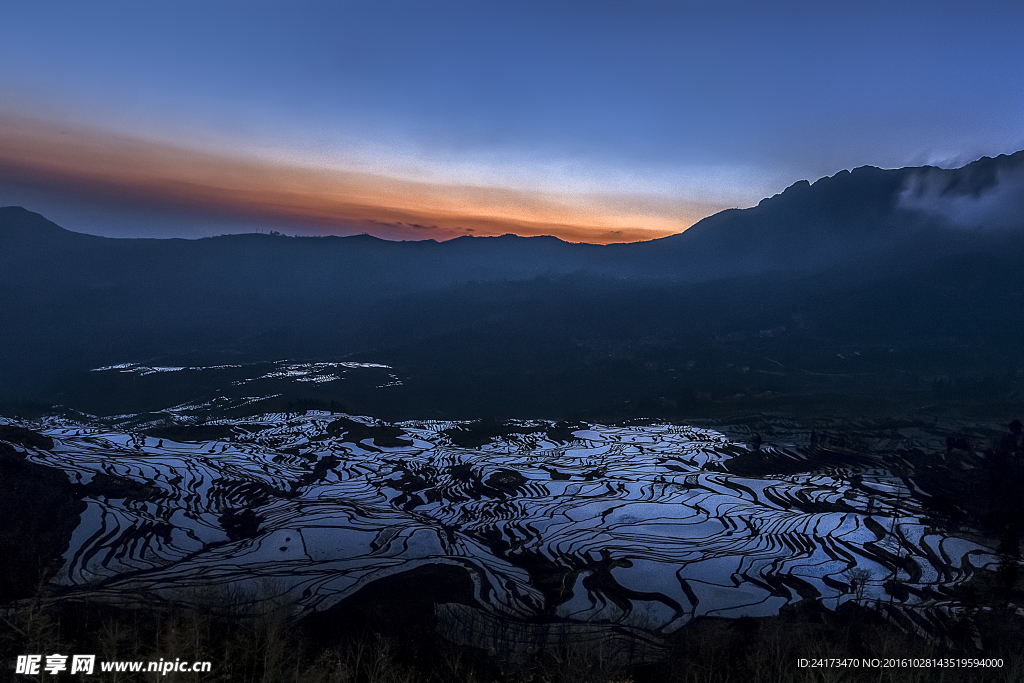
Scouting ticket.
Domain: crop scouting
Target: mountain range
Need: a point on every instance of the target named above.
(908, 282)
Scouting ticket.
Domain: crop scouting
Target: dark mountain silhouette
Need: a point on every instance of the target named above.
(866, 279)
(849, 219)
(863, 218)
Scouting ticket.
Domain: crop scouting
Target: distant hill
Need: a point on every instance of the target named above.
(924, 261)
(864, 218)
(851, 219)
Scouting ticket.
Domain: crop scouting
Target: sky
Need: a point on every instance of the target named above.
(597, 121)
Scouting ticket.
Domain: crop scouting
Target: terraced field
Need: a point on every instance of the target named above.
(641, 527)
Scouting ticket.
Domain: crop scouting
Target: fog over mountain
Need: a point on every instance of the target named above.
(923, 263)
(987, 195)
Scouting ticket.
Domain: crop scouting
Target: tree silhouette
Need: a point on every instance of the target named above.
(1004, 469)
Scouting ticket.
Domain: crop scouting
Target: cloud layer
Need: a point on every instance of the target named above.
(107, 166)
(993, 201)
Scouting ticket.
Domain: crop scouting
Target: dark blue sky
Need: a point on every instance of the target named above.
(593, 115)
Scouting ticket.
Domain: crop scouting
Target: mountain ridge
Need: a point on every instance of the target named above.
(843, 220)
(835, 288)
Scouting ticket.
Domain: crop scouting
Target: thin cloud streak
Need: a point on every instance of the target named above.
(146, 172)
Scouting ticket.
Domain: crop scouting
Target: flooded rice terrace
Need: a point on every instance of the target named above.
(643, 527)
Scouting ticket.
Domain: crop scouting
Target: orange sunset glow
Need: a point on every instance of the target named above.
(332, 200)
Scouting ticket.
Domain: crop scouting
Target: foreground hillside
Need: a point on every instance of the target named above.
(331, 547)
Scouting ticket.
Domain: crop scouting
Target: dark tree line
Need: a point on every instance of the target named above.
(1004, 479)
(981, 489)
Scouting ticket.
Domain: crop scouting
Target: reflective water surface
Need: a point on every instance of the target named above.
(639, 526)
